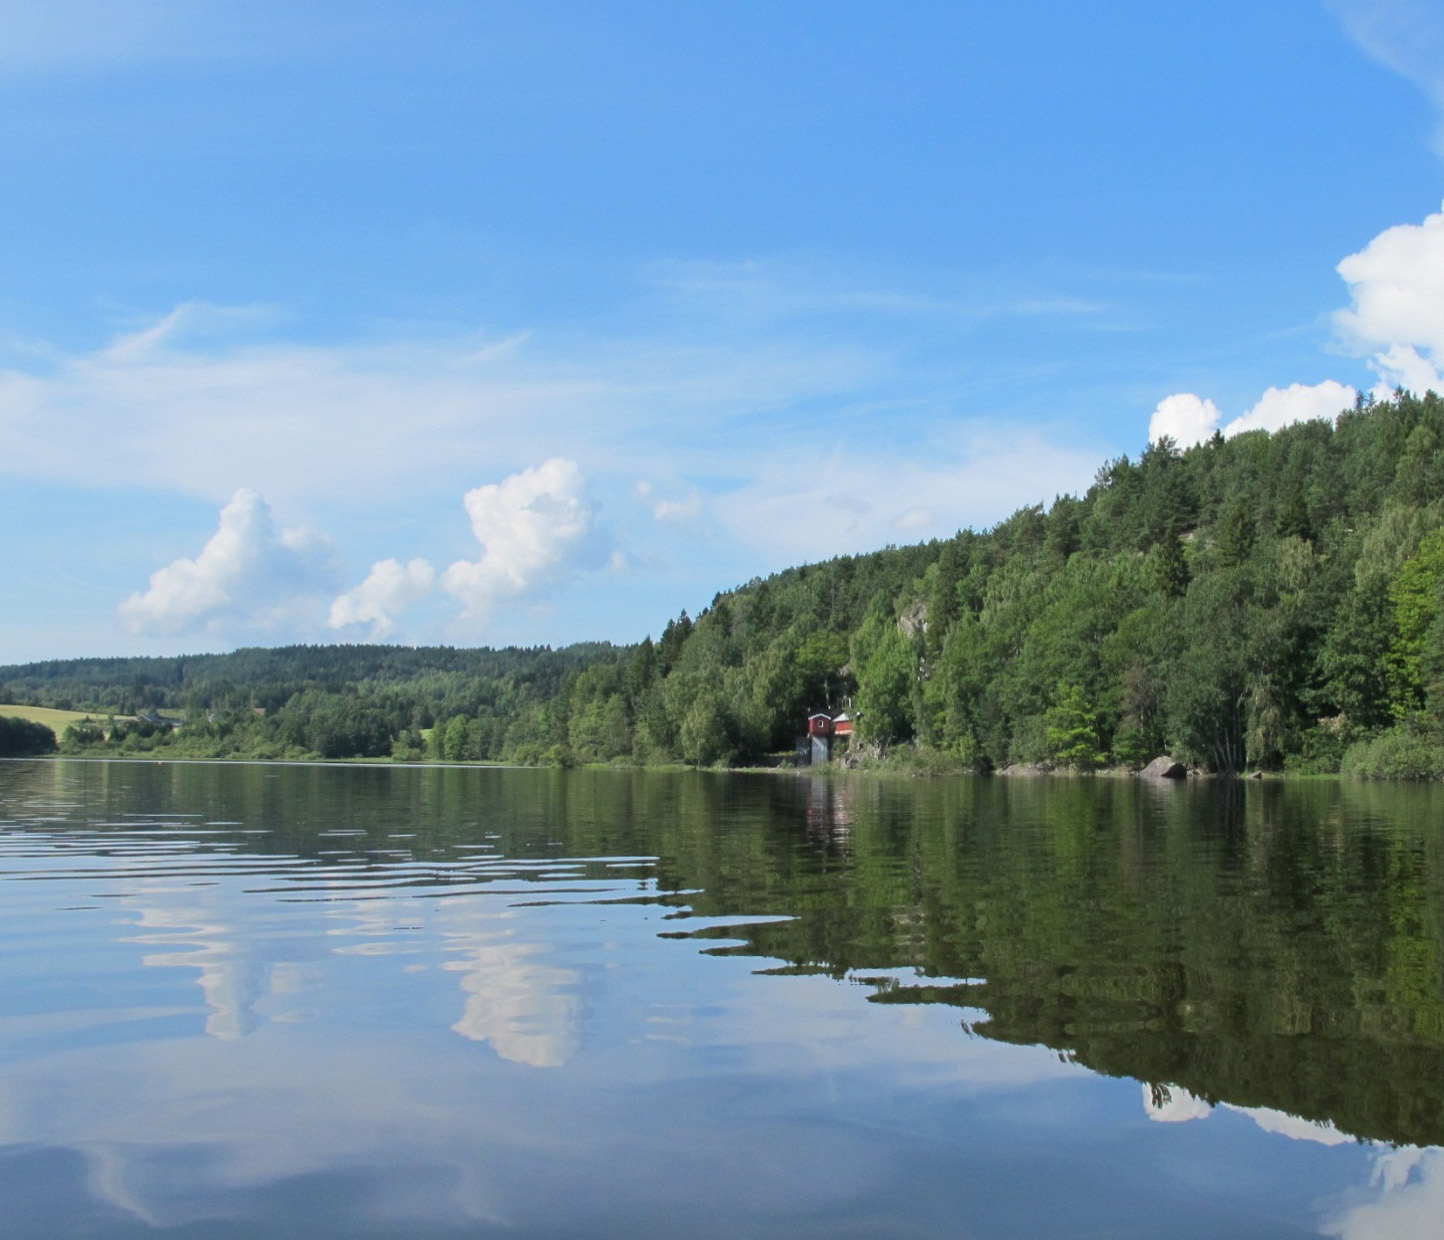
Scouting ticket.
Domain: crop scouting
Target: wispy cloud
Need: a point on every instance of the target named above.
(770, 291)
(678, 509)
(746, 435)
(202, 401)
(185, 405)
(818, 503)
(1406, 36)
(45, 36)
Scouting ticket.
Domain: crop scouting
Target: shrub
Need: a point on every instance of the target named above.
(23, 737)
(1400, 753)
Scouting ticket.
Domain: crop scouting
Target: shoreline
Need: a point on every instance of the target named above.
(831, 770)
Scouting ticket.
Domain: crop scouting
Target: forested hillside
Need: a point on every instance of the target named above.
(1269, 601)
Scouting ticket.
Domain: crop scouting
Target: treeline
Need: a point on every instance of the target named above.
(1270, 601)
(311, 701)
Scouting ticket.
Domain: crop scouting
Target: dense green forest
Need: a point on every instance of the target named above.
(1269, 601)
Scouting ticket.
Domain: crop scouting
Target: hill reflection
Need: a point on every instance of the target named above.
(1275, 948)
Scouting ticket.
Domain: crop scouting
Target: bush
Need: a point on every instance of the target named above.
(1400, 753)
(922, 760)
(1321, 749)
(23, 738)
(529, 753)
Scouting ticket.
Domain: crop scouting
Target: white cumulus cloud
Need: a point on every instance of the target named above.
(1397, 285)
(1185, 418)
(250, 575)
(1188, 419)
(535, 527)
(389, 588)
(527, 1009)
(1299, 402)
(1396, 319)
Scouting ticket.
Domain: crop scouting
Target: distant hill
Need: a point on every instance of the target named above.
(128, 685)
(1268, 601)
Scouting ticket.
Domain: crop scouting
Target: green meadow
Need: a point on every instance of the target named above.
(56, 720)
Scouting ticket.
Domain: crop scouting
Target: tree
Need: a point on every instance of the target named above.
(1235, 535)
(1353, 655)
(886, 669)
(1414, 604)
(1072, 730)
(1140, 736)
(1170, 565)
(704, 732)
(1210, 682)
(452, 739)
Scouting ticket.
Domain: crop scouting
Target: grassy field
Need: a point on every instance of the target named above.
(56, 720)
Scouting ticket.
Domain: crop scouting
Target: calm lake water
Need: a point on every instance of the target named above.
(263, 1001)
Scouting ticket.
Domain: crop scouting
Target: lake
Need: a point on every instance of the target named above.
(283, 1001)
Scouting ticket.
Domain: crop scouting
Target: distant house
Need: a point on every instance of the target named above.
(823, 728)
(157, 720)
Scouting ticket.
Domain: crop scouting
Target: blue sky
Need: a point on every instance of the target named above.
(493, 323)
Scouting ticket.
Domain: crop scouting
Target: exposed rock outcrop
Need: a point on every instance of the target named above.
(914, 621)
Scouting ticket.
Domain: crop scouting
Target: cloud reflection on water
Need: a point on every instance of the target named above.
(680, 1083)
(524, 1008)
(1172, 1104)
(231, 982)
(1405, 1196)
(188, 1129)
(1405, 1200)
